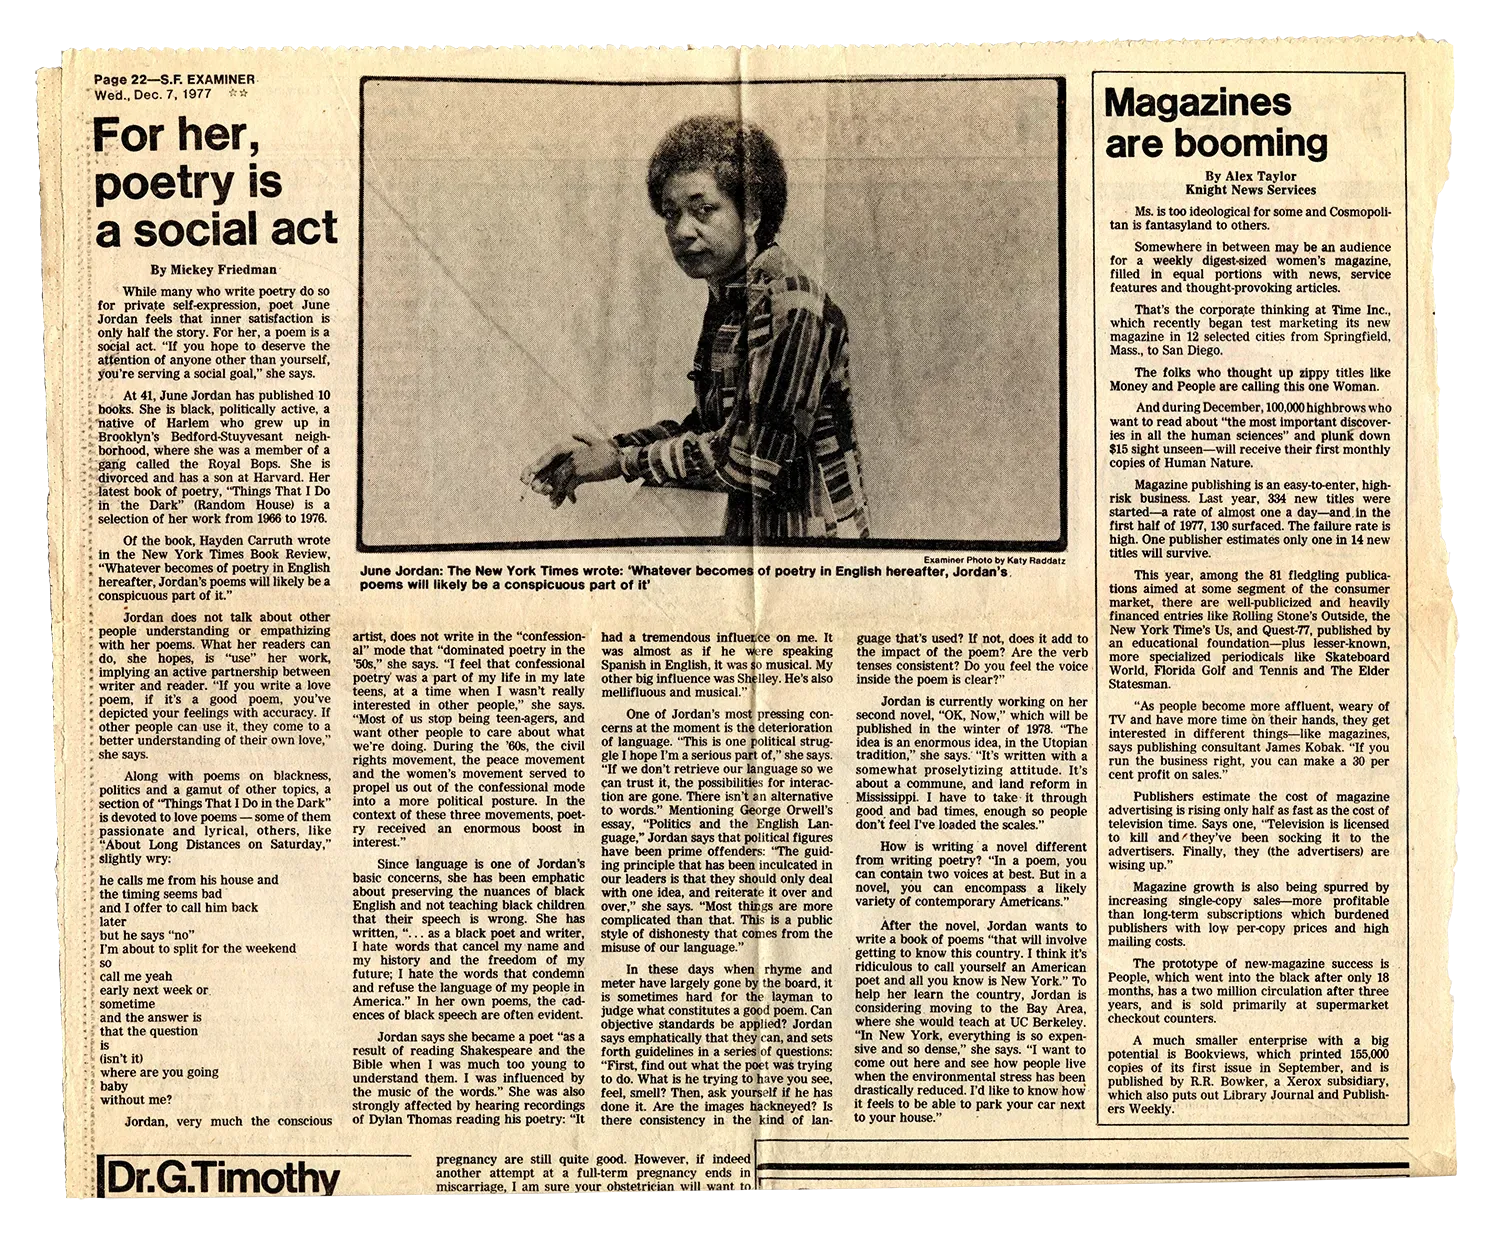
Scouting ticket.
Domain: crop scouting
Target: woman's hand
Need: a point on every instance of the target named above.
(541, 475)
(595, 459)
(558, 473)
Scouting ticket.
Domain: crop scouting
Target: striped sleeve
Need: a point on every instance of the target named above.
(663, 453)
(787, 367)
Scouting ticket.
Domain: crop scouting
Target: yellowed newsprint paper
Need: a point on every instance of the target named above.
(748, 618)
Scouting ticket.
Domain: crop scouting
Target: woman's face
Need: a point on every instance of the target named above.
(709, 237)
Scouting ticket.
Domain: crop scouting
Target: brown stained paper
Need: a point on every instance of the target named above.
(748, 618)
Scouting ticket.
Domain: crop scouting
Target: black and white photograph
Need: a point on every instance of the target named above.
(734, 313)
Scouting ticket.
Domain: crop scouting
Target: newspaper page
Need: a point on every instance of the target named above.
(748, 618)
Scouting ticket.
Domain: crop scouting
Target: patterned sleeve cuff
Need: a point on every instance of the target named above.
(633, 462)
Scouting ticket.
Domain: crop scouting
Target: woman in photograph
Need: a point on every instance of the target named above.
(773, 424)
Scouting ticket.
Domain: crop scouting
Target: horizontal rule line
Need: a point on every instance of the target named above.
(1119, 1139)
